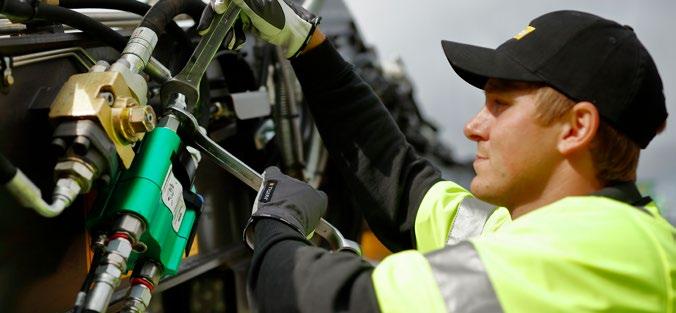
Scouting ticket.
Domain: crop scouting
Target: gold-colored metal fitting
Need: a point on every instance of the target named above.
(134, 121)
(106, 98)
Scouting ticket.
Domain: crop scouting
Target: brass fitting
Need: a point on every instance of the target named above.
(141, 119)
(133, 121)
(108, 99)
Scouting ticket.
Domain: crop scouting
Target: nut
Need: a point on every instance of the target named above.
(142, 118)
(121, 246)
(81, 172)
(113, 273)
(141, 292)
(151, 272)
(132, 121)
(130, 224)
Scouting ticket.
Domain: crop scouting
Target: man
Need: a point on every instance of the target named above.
(570, 101)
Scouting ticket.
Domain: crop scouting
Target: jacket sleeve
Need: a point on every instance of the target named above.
(289, 275)
(385, 175)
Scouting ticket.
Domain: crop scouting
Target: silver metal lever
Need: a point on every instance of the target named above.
(187, 82)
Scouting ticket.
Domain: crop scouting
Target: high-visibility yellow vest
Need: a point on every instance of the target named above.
(579, 254)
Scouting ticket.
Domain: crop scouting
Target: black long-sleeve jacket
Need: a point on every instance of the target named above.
(382, 171)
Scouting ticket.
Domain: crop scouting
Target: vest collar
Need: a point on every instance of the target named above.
(626, 192)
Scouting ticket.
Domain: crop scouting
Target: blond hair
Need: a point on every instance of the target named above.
(614, 155)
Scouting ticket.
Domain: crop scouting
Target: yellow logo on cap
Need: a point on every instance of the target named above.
(529, 29)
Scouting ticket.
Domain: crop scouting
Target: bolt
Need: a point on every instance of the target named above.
(108, 96)
(142, 118)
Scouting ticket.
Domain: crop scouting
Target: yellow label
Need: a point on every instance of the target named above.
(524, 32)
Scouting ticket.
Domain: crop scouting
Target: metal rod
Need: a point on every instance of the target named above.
(81, 55)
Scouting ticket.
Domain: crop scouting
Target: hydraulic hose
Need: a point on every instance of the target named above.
(81, 22)
(164, 11)
(97, 30)
(7, 170)
(29, 195)
(132, 6)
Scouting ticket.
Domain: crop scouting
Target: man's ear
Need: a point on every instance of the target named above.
(579, 128)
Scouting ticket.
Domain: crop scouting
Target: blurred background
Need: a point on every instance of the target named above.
(412, 31)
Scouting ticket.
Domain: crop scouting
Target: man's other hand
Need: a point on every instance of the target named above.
(288, 200)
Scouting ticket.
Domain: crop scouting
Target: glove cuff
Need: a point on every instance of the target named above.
(314, 22)
(249, 229)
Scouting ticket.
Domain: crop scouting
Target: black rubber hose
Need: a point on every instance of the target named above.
(17, 11)
(164, 11)
(83, 23)
(132, 6)
(7, 170)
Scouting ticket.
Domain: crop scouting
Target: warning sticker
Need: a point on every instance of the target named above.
(172, 196)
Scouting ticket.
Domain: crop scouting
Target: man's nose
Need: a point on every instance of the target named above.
(477, 128)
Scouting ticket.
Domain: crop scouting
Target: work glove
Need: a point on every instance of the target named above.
(279, 22)
(287, 200)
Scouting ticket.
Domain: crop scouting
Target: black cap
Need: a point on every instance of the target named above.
(583, 56)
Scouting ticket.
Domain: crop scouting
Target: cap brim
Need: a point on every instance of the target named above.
(476, 64)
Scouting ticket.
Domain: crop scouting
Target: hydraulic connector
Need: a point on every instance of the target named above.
(143, 281)
(113, 264)
(98, 118)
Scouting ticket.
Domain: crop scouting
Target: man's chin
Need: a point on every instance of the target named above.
(484, 192)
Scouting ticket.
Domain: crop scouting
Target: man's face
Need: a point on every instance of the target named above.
(515, 154)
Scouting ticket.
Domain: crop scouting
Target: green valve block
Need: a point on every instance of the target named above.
(151, 191)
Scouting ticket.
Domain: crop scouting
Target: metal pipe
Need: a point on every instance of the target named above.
(287, 118)
(316, 160)
(79, 54)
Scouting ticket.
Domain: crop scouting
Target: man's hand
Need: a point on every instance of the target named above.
(280, 22)
(288, 200)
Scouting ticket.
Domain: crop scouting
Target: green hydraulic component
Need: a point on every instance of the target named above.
(150, 190)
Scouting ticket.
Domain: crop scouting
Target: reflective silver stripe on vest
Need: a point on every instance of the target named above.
(462, 279)
(469, 220)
